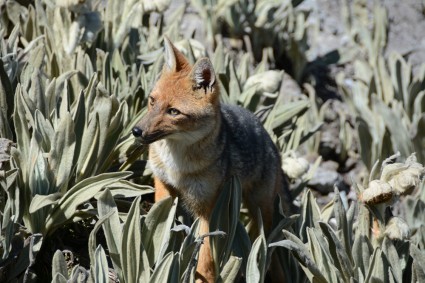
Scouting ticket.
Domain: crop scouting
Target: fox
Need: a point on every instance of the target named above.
(196, 143)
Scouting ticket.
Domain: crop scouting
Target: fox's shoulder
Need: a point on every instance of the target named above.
(234, 115)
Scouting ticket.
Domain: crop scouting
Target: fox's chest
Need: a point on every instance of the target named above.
(187, 174)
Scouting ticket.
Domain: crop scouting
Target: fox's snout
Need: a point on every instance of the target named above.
(146, 138)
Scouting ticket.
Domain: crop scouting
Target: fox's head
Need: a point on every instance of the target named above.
(184, 103)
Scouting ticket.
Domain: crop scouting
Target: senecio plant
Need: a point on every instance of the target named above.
(365, 243)
(74, 79)
(396, 179)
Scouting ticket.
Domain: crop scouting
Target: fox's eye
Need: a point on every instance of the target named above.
(151, 100)
(173, 111)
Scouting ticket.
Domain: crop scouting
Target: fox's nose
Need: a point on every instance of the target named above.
(137, 132)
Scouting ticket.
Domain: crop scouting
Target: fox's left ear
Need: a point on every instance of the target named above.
(203, 74)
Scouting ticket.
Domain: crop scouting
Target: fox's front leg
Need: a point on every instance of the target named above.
(205, 270)
(162, 190)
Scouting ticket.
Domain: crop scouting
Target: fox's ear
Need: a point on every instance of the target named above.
(203, 74)
(174, 59)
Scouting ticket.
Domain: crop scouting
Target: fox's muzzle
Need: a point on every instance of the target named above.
(145, 138)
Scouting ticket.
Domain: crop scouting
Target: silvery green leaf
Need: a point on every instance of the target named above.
(320, 253)
(310, 214)
(134, 260)
(188, 246)
(218, 59)
(59, 278)
(286, 112)
(224, 217)
(395, 262)
(44, 131)
(241, 245)
(345, 231)
(88, 150)
(59, 265)
(124, 188)
(418, 264)
(150, 57)
(92, 238)
(268, 81)
(302, 254)
(401, 76)
(62, 152)
(156, 228)
(230, 270)
(40, 201)
(65, 208)
(100, 266)
(399, 133)
(111, 228)
(6, 102)
(378, 267)
(130, 18)
(338, 252)
(235, 88)
(255, 269)
(167, 269)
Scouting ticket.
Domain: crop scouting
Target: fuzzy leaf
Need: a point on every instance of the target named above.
(255, 270)
(156, 228)
(65, 208)
(100, 266)
(112, 228)
(59, 265)
(230, 270)
(167, 269)
(134, 260)
(224, 218)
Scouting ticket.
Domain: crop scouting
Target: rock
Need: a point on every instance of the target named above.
(325, 178)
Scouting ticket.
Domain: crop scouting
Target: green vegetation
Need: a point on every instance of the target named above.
(74, 197)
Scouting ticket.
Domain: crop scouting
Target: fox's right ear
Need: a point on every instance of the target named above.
(203, 74)
(174, 59)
